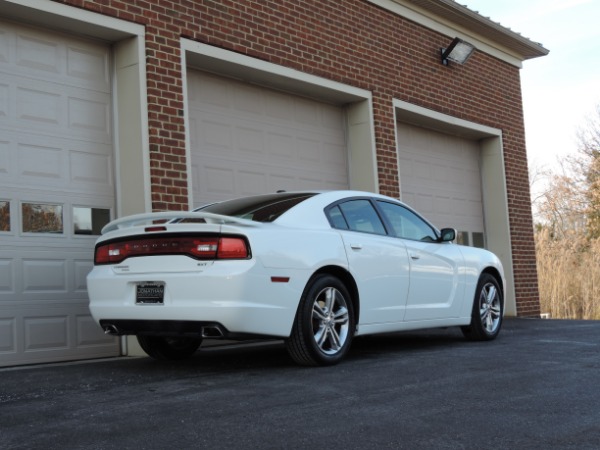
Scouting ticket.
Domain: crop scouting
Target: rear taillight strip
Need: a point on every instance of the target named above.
(212, 247)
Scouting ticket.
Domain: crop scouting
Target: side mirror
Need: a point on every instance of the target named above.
(447, 234)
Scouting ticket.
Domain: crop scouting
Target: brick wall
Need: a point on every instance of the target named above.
(352, 42)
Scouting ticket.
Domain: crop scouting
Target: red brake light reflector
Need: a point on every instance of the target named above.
(232, 248)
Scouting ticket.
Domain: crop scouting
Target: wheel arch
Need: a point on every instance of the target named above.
(496, 274)
(348, 280)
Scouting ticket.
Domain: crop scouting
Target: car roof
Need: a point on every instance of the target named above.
(309, 213)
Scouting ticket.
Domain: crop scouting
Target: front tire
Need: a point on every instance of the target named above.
(169, 348)
(488, 308)
(324, 324)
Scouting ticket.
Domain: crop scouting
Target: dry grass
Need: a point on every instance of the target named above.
(569, 276)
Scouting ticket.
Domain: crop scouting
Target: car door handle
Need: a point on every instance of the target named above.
(356, 246)
(415, 256)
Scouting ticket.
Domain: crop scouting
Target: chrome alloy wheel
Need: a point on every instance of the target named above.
(490, 308)
(330, 320)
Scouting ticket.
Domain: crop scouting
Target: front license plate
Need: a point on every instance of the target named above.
(150, 293)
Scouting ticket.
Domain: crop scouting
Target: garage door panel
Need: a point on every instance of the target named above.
(281, 147)
(7, 276)
(44, 276)
(89, 334)
(279, 108)
(308, 112)
(251, 182)
(251, 142)
(88, 66)
(41, 162)
(46, 332)
(89, 114)
(218, 181)
(8, 335)
(38, 107)
(248, 139)
(32, 52)
(80, 270)
(216, 137)
(92, 168)
(247, 99)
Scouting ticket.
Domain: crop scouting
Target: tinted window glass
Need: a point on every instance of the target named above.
(406, 224)
(264, 208)
(361, 216)
(336, 219)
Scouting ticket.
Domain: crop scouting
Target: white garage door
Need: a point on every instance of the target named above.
(440, 177)
(247, 139)
(56, 191)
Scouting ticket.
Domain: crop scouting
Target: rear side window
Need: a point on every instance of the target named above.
(336, 218)
(263, 208)
(356, 215)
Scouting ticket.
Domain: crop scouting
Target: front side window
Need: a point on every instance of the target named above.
(356, 215)
(406, 224)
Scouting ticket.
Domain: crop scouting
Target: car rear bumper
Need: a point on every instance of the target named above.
(232, 298)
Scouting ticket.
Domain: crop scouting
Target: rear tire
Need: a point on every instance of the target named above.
(487, 313)
(169, 348)
(324, 324)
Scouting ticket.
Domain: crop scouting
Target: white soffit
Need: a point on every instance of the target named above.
(453, 20)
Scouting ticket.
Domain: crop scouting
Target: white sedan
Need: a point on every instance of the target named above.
(312, 268)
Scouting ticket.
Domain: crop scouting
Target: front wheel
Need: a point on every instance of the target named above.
(486, 316)
(169, 348)
(324, 324)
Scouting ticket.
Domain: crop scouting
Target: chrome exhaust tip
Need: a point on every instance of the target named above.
(212, 331)
(111, 329)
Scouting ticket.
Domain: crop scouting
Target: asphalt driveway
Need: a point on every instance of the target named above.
(535, 387)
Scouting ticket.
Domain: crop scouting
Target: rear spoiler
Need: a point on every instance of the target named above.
(169, 216)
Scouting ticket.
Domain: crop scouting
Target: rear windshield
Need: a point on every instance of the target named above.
(263, 208)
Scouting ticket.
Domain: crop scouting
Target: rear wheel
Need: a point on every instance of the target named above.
(486, 316)
(169, 348)
(324, 324)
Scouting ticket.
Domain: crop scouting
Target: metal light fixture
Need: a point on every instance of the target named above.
(458, 51)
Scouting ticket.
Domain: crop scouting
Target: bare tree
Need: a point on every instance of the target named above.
(568, 233)
(589, 170)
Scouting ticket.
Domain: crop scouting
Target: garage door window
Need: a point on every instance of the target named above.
(462, 238)
(4, 216)
(89, 221)
(478, 240)
(42, 218)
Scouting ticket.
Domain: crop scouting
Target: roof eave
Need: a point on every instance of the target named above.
(450, 10)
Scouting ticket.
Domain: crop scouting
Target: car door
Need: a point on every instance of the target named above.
(436, 268)
(378, 262)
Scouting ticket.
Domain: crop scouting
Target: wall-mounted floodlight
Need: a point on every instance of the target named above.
(458, 51)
